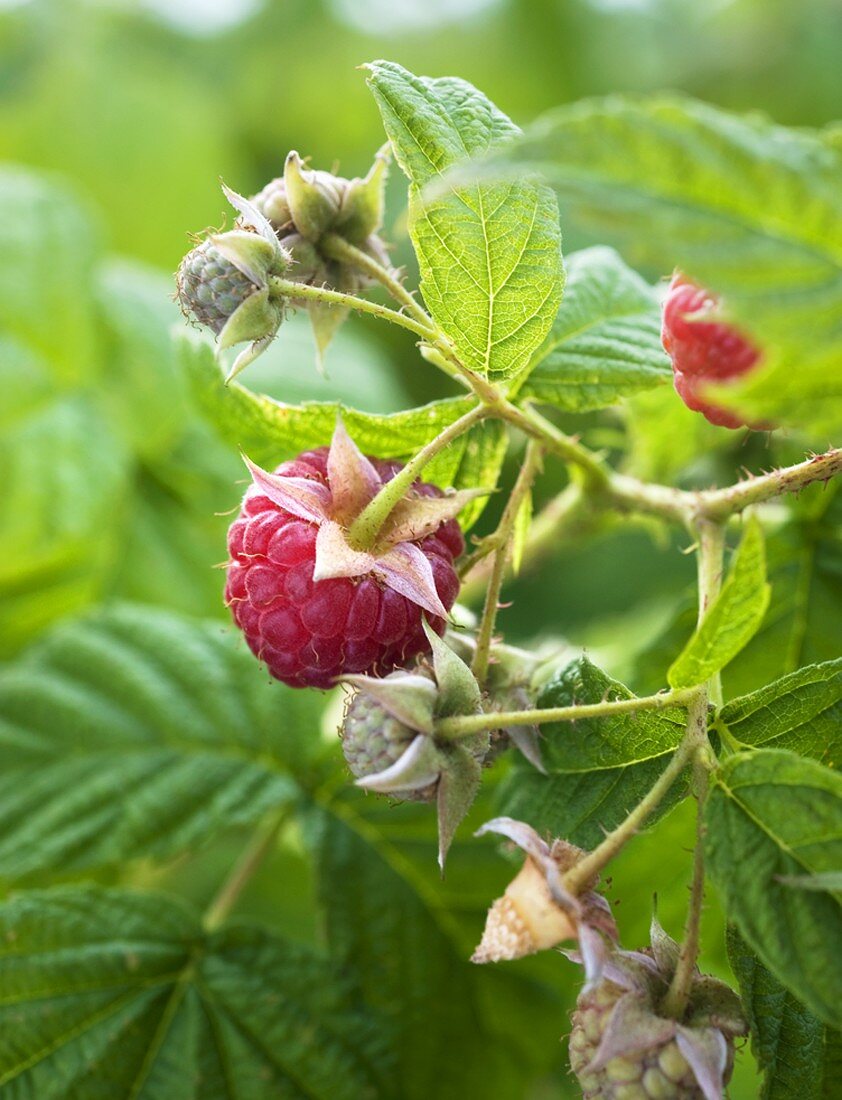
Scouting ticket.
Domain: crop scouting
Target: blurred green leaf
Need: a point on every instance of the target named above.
(108, 992)
(751, 209)
(49, 241)
(64, 479)
(597, 768)
(790, 1044)
(733, 617)
(772, 814)
(392, 925)
(605, 343)
(490, 254)
(133, 733)
(801, 712)
(144, 392)
(520, 531)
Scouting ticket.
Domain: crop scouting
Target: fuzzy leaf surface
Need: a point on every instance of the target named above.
(605, 343)
(732, 619)
(597, 768)
(489, 253)
(750, 209)
(801, 712)
(770, 815)
(134, 733)
(794, 1050)
(109, 992)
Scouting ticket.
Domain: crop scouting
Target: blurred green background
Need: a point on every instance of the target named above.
(111, 485)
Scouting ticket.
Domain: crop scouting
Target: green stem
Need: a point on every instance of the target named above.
(533, 424)
(261, 842)
(587, 869)
(464, 725)
(286, 288)
(502, 539)
(338, 248)
(677, 996)
(711, 549)
(721, 503)
(363, 532)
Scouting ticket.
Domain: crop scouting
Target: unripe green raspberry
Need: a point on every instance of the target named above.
(210, 288)
(272, 204)
(659, 1073)
(373, 740)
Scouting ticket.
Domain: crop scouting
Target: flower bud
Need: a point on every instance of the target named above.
(314, 197)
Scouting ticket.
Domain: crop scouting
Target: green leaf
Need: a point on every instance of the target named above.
(406, 938)
(771, 814)
(269, 432)
(64, 478)
(520, 531)
(597, 768)
(750, 209)
(605, 343)
(48, 245)
(135, 734)
(791, 1046)
(801, 712)
(144, 391)
(490, 253)
(112, 993)
(732, 619)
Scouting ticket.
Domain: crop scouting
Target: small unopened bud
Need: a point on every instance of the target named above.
(314, 197)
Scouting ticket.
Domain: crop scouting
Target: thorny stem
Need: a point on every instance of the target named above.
(365, 528)
(588, 868)
(678, 994)
(286, 288)
(501, 542)
(464, 725)
(258, 847)
(721, 503)
(711, 548)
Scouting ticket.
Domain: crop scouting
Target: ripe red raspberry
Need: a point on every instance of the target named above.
(703, 351)
(363, 617)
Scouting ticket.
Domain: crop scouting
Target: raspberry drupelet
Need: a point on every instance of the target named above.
(305, 611)
(703, 349)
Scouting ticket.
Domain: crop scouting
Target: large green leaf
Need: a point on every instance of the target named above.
(406, 937)
(749, 208)
(801, 712)
(597, 768)
(732, 619)
(124, 995)
(793, 1048)
(268, 431)
(489, 253)
(605, 343)
(133, 733)
(771, 815)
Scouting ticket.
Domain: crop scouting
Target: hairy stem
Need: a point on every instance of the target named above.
(302, 292)
(464, 725)
(720, 503)
(338, 248)
(678, 994)
(501, 540)
(588, 868)
(365, 528)
(261, 842)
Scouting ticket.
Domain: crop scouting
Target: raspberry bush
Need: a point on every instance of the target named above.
(369, 569)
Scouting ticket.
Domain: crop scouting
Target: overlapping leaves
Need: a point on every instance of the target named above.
(597, 768)
(489, 253)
